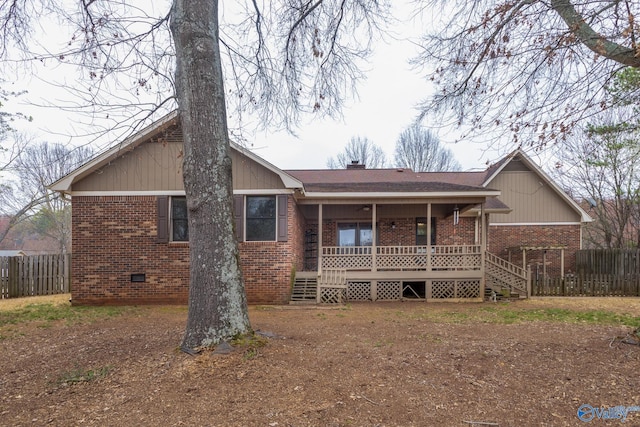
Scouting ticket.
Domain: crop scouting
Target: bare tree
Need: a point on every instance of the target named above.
(27, 198)
(420, 149)
(278, 59)
(600, 165)
(360, 150)
(530, 68)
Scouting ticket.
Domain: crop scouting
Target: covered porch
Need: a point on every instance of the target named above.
(429, 249)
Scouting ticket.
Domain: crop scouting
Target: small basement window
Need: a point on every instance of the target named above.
(139, 277)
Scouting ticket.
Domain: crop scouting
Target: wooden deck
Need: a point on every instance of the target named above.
(392, 273)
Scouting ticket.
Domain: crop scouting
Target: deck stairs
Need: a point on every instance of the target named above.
(504, 280)
(305, 288)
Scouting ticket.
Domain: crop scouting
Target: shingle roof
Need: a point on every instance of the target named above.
(387, 180)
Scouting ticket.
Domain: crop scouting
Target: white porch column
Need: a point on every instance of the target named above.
(374, 248)
(319, 267)
(483, 250)
(319, 238)
(428, 283)
(429, 236)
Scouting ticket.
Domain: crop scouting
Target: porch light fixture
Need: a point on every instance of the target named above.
(366, 208)
(456, 215)
(393, 225)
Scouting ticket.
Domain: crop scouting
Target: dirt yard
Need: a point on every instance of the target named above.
(368, 364)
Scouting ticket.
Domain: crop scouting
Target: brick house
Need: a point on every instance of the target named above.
(323, 235)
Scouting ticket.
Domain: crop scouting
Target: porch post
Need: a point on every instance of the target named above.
(429, 236)
(483, 250)
(319, 267)
(428, 283)
(374, 249)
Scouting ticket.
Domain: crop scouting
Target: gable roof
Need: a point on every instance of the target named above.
(498, 167)
(358, 183)
(65, 183)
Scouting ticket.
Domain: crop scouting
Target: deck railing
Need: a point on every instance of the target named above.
(402, 258)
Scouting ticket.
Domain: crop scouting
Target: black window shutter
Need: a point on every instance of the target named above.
(283, 232)
(163, 219)
(238, 215)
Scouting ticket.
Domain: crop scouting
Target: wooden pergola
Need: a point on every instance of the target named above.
(524, 250)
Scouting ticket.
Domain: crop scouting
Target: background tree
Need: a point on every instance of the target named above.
(27, 200)
(600, 165)
(420, 149)
(531, 68)
(361, 150)
(280, 59)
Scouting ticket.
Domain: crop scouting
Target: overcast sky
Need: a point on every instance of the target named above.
(385, 107)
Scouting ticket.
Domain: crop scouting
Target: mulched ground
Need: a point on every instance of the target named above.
(369, 364)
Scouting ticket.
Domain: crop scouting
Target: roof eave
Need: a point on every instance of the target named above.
(399, 195)
(288, 180)
(64, 184)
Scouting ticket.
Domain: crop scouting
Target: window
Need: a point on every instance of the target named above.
(355, 234)
(257, 218)
(421, 231)
(261, 218)
(179, 223)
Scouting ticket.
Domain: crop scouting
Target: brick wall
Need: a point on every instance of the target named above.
(461, 234)
(404, 232)
(268, 266)
(115, 237)
(501, 238)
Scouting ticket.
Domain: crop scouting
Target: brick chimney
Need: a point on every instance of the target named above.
(355, 164)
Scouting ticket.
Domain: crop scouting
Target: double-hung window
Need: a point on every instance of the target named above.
(257, 218)
(260, 218)
(421, 231)
(179, 223)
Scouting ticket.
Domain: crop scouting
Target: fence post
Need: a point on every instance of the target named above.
(13, 277)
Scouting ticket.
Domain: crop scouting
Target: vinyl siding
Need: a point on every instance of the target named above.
(157, 166)
(532, 200)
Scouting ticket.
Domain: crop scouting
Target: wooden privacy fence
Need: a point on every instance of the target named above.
(22, 276)
(617, 262)
(587, 285)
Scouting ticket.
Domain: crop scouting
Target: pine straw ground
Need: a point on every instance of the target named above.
(530, 363)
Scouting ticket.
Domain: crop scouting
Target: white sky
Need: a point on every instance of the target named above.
(386, 106)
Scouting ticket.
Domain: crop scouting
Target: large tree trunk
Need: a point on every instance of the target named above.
(217, 301)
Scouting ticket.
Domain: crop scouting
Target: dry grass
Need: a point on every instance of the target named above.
(15, 303)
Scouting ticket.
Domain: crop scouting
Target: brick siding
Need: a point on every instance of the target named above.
(503, 237)
(116, 236)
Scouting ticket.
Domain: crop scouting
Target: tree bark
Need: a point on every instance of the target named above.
(217, 301)
(590, 38)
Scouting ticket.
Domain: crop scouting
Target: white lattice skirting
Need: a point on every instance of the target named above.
(455, 289)
(392, 291)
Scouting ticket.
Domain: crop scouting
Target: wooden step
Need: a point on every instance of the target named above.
(304, 290)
